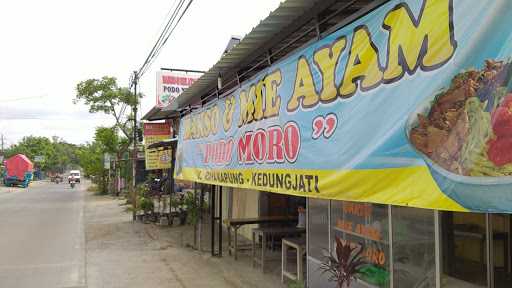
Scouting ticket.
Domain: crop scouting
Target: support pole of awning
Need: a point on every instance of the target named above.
(182, 70)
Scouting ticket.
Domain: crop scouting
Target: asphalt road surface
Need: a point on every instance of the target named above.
(42, 236)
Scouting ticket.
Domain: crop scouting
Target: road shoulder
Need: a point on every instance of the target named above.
(125, 254)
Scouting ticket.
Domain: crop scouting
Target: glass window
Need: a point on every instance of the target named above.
(464, 259)
(318, 228)
(414, 262)
(366, 225)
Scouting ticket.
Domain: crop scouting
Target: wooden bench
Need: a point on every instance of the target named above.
(235, 224)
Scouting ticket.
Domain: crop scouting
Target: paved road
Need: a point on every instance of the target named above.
(42, 236)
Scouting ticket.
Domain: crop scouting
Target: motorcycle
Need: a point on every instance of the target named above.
(72, 183)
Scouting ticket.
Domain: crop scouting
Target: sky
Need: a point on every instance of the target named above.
(47, 47)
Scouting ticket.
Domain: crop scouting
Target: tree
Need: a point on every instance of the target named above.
(106, 140)
(58, 155)
(91, 160)
(106, 96)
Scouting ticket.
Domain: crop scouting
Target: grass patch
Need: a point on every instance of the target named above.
(295, 284)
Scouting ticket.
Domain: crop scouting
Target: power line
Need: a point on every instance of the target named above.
(164, 36)
(158, 43)
(160, 37)
(22, 98)
(168, 35)
(165, 21)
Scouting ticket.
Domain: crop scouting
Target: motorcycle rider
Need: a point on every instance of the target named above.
(72, 181)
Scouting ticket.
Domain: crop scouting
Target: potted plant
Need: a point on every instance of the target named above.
(345, 264)
(193, 208)
(146, 205)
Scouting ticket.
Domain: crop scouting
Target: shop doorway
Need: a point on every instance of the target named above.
(464, 244)
(273, 204)
(501, 227)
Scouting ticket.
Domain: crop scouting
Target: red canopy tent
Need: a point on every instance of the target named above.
(18, 165)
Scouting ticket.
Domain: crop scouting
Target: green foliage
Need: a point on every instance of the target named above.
(91, 156)
(295, 284)
(144, 201)
(145, 204)
(108, 139)
(105, 96)
(91, 161)
(345, 264)
(102, 94)
(192, 205)
(58, 155)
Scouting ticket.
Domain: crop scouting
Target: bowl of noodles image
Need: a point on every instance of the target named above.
(464, 134)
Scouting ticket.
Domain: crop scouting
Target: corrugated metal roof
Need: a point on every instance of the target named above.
(279, 19)
(156, 113)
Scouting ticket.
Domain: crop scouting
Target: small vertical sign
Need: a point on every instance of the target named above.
(157, 158)
(106, 161)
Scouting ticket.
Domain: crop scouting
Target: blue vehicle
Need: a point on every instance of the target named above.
(14, 181)
(18, 171)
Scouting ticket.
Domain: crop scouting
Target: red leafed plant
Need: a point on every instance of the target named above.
(345, 264)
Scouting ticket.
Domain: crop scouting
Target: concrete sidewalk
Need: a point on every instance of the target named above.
(125, 254)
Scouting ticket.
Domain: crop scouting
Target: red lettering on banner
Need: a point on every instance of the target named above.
(217, 152)
(176, 80)
(228, 150)
(275, 145)
(271, 145)
(244, 148)
(259, 146)
(207, 152)
(291, 141)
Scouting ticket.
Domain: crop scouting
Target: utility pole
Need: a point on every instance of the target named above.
(134, 154)
(2, 152)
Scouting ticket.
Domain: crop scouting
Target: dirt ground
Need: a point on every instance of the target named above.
(125, 254)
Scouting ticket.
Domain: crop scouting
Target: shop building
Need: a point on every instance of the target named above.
(383, 118)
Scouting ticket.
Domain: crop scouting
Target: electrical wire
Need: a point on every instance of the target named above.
(165, 21)
(161, 37)
(22, 98)
(169, 34)
(171, 25)
(158, 45)
(123, 109)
